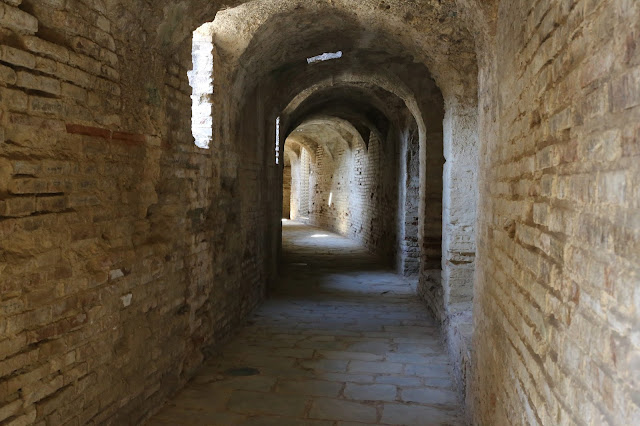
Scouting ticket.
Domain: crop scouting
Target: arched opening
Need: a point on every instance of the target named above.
(416, 173)
(300, 163)
(344, 177)
(357, 175)
(209, 223)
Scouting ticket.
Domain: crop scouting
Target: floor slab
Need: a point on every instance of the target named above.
(340, 340)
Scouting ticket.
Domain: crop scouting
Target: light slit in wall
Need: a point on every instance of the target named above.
(201, 82)
(325, 57)
(330, 198)
(278, 140)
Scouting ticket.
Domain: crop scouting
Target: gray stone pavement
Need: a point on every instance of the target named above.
(340, 341)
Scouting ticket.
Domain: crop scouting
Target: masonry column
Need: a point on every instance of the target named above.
(459, 207)
(409, 259)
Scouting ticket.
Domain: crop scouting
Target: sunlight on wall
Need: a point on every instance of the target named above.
(201, 82)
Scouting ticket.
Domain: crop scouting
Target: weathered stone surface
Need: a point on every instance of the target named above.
(370, 392)
(497, 143)
(553, 310)
(310, 300)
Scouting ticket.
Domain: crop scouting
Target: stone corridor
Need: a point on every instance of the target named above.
(340, 341)
(489, 149)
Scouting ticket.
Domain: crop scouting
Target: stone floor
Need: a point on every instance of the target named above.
(339, 342)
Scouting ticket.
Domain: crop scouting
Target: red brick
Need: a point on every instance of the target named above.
(79, 129)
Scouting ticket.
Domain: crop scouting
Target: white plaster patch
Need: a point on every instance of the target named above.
(126, 299)
(115, 274)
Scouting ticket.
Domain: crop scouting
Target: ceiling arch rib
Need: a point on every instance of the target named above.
(323, 129)
(326, 132)
(357, 107)
(370, 102)
(258, 34)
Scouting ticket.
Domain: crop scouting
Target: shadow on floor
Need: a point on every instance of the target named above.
(340, 341)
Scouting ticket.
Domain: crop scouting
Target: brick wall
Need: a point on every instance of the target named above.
(286, 191)
(430, 280)
(331, 183)
(362, 184)
(556, 310)
(376, 192)
(126, 252)
(366, 185)
(123, 247)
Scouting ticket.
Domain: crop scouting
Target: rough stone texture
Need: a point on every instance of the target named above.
(126, 252)
(408, 257)
(117, 271)
(342, 340)
(556, 309)
(353, 192)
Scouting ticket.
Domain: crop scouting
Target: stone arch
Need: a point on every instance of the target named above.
(398, 107)
(446, 281)
(450, 58)
(129, 254)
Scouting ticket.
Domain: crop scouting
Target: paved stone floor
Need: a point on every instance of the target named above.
(339, 342)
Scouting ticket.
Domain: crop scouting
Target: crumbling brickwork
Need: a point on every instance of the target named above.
(409, 202)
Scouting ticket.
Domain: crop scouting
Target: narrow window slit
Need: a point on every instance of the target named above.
(278, 140)
(201, 82)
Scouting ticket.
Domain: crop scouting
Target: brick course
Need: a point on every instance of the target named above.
(555, 293)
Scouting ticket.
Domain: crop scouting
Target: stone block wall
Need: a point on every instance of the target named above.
(127, 253)
(374, 216)
(430, 279)
(556, 310)
(123, 247)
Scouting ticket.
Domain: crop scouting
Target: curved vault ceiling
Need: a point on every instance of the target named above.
(329, 133)
(266, 43)
(367, 109)
(270, 34)
(272, 38)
